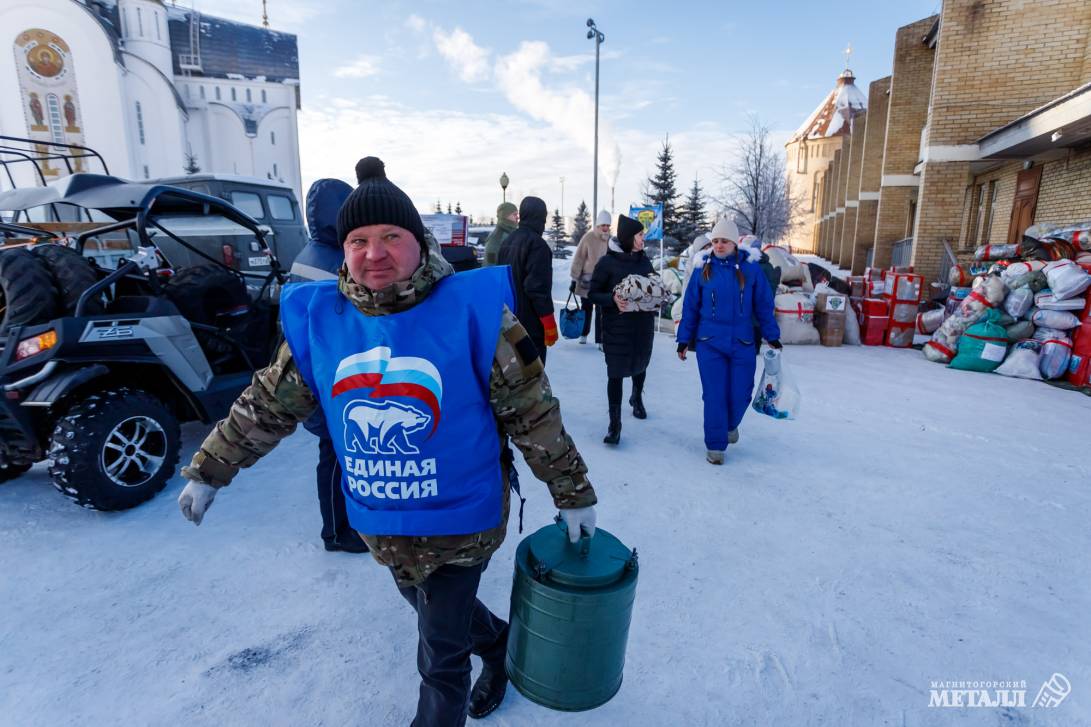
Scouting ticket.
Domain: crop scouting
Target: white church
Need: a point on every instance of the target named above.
(157, 90)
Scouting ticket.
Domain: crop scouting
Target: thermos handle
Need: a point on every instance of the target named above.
(584, 542)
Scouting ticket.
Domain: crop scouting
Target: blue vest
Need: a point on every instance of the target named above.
(406, 400)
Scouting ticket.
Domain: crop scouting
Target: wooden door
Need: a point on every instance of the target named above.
(1026, 201)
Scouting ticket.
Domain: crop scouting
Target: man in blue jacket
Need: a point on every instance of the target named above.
(320, 260)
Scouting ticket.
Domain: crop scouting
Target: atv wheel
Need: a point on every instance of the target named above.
(27, 294)
(9, 472)
(73, 274)
(114, 449)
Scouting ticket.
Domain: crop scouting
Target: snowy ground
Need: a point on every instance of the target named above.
(916, 524)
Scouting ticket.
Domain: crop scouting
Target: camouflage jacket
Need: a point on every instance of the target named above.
(519, 393)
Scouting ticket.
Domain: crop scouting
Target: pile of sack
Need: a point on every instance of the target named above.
(1022, 310)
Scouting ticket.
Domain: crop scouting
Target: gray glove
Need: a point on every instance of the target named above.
(577, 519)
(195, 500)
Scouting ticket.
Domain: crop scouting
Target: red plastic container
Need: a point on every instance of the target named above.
(874, 321)
(1079, 366)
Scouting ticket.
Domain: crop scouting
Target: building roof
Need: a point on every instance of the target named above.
(834, 115)
(1062, 123)
(227, 47)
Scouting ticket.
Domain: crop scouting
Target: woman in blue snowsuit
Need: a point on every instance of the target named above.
(725, 296)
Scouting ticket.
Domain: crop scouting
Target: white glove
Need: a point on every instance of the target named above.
(195, 500)
(577, 519)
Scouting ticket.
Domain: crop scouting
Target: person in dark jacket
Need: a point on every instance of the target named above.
(627, 334)
(750, 246)
(532, 272)
(320, 260)
(721, 303)
(507, 219)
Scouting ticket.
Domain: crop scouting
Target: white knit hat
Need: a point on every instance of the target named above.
(725, 229)
(602, 219)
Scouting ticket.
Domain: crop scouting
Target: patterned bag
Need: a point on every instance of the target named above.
(646, 292)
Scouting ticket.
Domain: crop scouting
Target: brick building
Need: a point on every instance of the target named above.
(986, 130)
(811, 148)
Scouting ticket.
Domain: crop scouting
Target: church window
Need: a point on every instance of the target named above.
(264, 99)
(146, 174)
(140, 122)
(248, 98)
(273, 138)
(139, 23)
(275, 172)
(233, 96)
(202, 89)
(217, 93)
(53, 108)
(124, 22)
(157, 35)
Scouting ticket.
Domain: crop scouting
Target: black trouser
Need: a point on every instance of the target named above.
(589, 308)
(539, 343)
(613, 389)
(331, 498)
(452, 624)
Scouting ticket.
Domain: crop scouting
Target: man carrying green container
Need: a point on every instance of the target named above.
(422, 376)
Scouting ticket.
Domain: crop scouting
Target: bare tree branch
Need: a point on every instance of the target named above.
(755, 189)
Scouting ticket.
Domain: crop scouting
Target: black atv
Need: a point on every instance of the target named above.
(105, 348)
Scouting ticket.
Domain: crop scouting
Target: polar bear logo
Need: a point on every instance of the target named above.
(382, 427)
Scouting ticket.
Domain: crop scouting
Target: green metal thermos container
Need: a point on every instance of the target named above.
(571, 604)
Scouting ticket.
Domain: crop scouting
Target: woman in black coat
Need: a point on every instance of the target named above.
(627, 333)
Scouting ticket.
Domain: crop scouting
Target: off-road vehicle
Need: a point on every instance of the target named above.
(105, 345)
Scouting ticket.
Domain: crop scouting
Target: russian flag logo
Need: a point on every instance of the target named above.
(388, 376)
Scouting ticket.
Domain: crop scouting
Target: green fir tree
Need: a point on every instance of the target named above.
(663, 189)
(581, 224)
(556, 230)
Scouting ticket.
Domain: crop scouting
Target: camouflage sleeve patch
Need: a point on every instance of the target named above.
(266, 412)
(528, 412)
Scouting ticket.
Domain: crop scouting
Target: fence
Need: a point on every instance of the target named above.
(901, 252)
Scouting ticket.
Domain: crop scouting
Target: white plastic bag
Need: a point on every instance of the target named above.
(1059, 319)
(1047, 300)
(777, 395)
(1022, 362)
(1066, 279)
(1018, 302)
(795, 317)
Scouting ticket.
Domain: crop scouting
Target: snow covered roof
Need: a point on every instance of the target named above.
(834, 114)
(228, 47)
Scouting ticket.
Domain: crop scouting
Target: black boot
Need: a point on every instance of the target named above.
(637, 402)
(347, 542)
(488, 691)
(613, 434)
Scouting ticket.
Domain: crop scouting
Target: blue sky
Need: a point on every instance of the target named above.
(450, 94)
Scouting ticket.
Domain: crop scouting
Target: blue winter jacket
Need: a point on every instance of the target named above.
(715, 308)
(323, 255)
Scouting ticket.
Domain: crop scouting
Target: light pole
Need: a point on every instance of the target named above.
(595, 33)
(562, 198)
(504, 185)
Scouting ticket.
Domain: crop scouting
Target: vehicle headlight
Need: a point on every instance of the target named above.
(35, 344)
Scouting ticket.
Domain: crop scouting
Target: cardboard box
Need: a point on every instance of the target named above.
(831, 303)
(831, 327)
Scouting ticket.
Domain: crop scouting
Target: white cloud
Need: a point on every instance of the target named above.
(470, 60)
(416, 23)
(362, 67)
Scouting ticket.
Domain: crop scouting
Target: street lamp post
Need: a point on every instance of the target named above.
(504, 185)
(562, 198)
(595, 33)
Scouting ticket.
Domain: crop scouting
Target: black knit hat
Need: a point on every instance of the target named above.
(377, 201)
(627, 229)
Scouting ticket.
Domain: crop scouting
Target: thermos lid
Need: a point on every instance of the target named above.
(589, 563)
